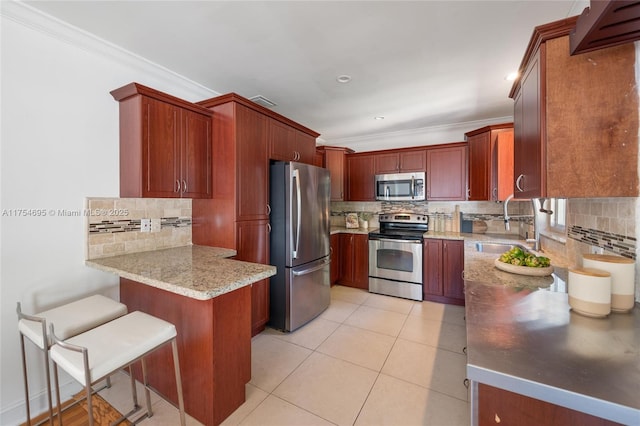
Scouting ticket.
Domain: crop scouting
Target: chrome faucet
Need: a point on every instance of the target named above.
(537, 205)
(507, 226)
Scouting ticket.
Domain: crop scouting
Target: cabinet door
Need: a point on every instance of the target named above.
(529, 159)
(282, 140)
(479, 166)
(452, 268)
(361, 261)
(503, 166)
(335, 161)
(347, 261)
(161, 149)
(413, 161)
(318, 158)
(500, 406)
(305, 146)
(387, 163)
(447, 173)
(361, 176)
(196, 155)
(354, 254)
(253, 165)
(253, 246)
(432, 268)
(336, 257)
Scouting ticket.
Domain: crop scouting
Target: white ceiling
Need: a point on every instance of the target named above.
(419, 64)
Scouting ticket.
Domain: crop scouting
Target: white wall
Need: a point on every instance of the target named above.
(59, 145)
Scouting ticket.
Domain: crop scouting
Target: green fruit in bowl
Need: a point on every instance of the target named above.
(517, 256)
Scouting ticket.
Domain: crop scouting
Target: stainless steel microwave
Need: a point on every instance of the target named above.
(400, 187)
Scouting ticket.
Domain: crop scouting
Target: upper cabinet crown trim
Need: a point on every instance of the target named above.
(490, 128)
(606, 24)
(133, 89)
(541, 34)
(234, 97)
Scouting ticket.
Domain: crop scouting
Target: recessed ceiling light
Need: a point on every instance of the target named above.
(378, 118)
(511, 76)
(344, 78)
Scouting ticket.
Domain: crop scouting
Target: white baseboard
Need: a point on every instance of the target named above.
(17, 414)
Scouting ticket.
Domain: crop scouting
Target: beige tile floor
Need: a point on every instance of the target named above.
(367, 360)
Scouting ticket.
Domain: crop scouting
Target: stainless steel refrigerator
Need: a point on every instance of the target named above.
(299, 249)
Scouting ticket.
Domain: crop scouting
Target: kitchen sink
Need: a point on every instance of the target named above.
(492, 247)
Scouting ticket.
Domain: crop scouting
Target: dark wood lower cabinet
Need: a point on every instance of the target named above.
(334, 274)
(354, 257)
(442, 271)
(253, 246)
(214, 346)
(498, 406)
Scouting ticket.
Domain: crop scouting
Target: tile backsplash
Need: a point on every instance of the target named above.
(113, 225)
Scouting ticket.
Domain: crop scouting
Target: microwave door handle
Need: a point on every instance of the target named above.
(412, 189)
(387, 191)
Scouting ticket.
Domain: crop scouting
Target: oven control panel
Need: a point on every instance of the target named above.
(404, 218)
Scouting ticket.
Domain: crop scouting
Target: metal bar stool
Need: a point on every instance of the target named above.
(70, 319)
(95, 354)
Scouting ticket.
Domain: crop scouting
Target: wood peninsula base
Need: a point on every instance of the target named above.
(214, 345)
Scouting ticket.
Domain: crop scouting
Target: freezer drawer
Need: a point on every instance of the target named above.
(308, 292)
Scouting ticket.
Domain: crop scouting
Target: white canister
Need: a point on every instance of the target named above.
(622, 272)
(590, 291)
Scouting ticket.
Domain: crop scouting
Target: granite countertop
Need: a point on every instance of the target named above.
(198, 272)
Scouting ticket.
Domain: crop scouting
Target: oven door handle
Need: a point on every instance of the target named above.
(391, 240)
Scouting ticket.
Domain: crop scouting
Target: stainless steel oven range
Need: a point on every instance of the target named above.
(395, 255)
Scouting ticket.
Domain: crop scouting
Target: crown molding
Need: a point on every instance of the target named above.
(62, 31)
(432, 135)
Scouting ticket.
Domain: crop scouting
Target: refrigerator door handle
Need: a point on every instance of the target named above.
(310, 270)
(296, 177)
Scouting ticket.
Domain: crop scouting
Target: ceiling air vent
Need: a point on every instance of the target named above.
(261, 100)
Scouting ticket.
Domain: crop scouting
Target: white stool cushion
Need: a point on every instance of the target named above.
(113, 345)
(73, 318)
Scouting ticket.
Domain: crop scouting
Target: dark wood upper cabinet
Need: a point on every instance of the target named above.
(575, 123)
(334, 159)
(490, 162)
(306, 147)
(447, 172)
(400, 161)
(286, 143)
(606, 23)
(361, 172)
(165, 145)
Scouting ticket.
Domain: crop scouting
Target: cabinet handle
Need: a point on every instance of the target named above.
(177, 186)
(268, 210)
(184, 186)
(495, 193)
(518, 187)
(268, 228)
